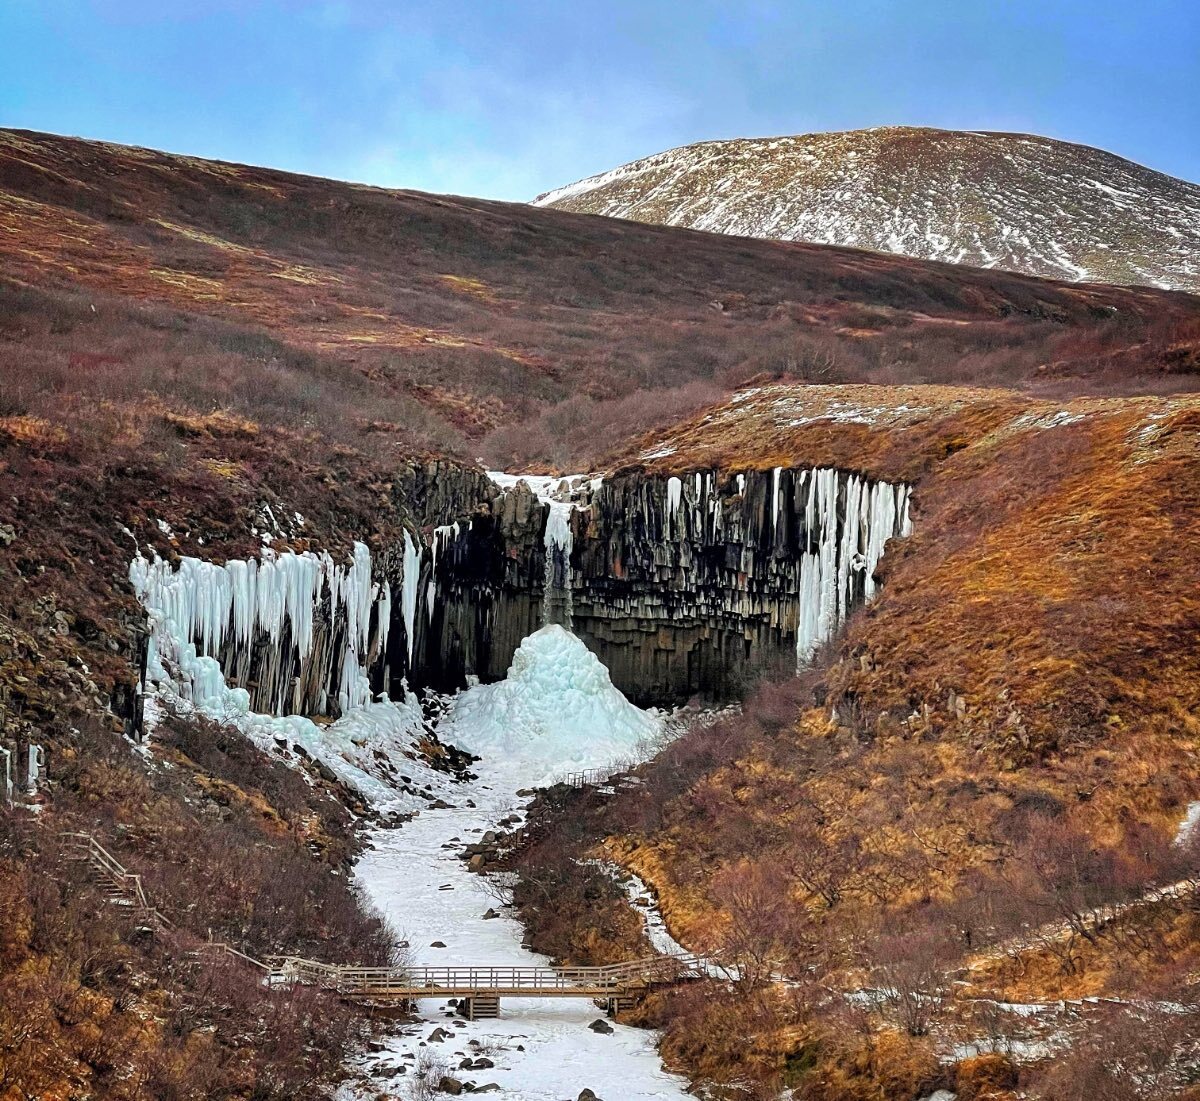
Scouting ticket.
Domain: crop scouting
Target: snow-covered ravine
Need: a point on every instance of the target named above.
(557, 711)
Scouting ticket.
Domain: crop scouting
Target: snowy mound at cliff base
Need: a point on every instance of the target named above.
(556, 711)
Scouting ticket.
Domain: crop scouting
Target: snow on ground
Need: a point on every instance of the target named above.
(557, 710)
(1189, 825)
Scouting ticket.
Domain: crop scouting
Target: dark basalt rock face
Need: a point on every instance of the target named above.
(679, 585)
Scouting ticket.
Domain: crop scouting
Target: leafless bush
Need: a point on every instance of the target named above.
(909, 970)
(425, 1081)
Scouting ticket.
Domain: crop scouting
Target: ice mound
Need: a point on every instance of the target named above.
(557, 711)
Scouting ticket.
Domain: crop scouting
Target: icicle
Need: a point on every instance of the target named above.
(207, 606)
(674, 497)
(836, 553)
(775, 501)
(558, 544)
(408, 595)
(444, 532)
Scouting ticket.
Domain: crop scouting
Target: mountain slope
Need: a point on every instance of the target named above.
(1013, 201)
(411, 318)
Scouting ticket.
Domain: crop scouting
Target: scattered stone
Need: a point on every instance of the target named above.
(476, 863)
(601, 1026)
(7, 535)
(437, 944)
(489, 914)
(450, 1085)
(438, 1035)
(490, 1087)
(587, 1095)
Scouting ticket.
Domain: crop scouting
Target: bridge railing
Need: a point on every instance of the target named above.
(586, 776)
(348, 979)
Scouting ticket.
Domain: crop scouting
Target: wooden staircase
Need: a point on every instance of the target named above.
(120, 887)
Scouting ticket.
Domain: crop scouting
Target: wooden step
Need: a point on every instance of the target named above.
(480, 1007)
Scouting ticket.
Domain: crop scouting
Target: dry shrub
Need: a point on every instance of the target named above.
(865, 1066)
(984, 1077)
(89, 997)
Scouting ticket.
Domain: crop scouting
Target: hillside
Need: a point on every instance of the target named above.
(434, 320)
(243, 530)
(976, 801)
(1017, 202)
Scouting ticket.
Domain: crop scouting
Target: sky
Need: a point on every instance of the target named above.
(509, 98)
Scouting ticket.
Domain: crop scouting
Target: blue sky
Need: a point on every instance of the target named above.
(512, 97)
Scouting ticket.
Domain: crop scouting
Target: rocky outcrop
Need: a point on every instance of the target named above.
(681, 586)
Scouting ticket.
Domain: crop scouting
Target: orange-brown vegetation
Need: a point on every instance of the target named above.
(975, 794)
(94, 1004)
(188, 342)
(341, 305)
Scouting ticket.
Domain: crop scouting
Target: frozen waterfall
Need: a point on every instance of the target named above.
(312, 663)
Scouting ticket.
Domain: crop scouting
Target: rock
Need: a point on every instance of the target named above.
(476, 864)
(450, 1085)
(7, 535)
(587, 1095)
(601, 1026)
(437, 944)
(438, 1035)
(490, 1087)
(489, 914)
(483, 1063)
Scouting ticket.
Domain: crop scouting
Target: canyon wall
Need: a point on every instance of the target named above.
(681, 586)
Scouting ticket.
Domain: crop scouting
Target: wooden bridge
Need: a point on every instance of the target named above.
(478, 989)
(615, 986)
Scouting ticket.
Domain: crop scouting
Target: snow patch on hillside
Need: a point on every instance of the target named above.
(1015, 202)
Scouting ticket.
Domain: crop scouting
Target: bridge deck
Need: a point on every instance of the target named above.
(508, 982)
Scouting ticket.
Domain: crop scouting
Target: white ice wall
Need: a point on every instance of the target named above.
(848, 520)
(200, 605)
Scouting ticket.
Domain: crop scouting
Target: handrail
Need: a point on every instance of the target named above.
(586, 776)
(614, 978)
(221, 946)
(128, 883)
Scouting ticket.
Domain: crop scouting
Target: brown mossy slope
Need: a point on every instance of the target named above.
(458, 316)
(1041, 624)
(976, 791)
